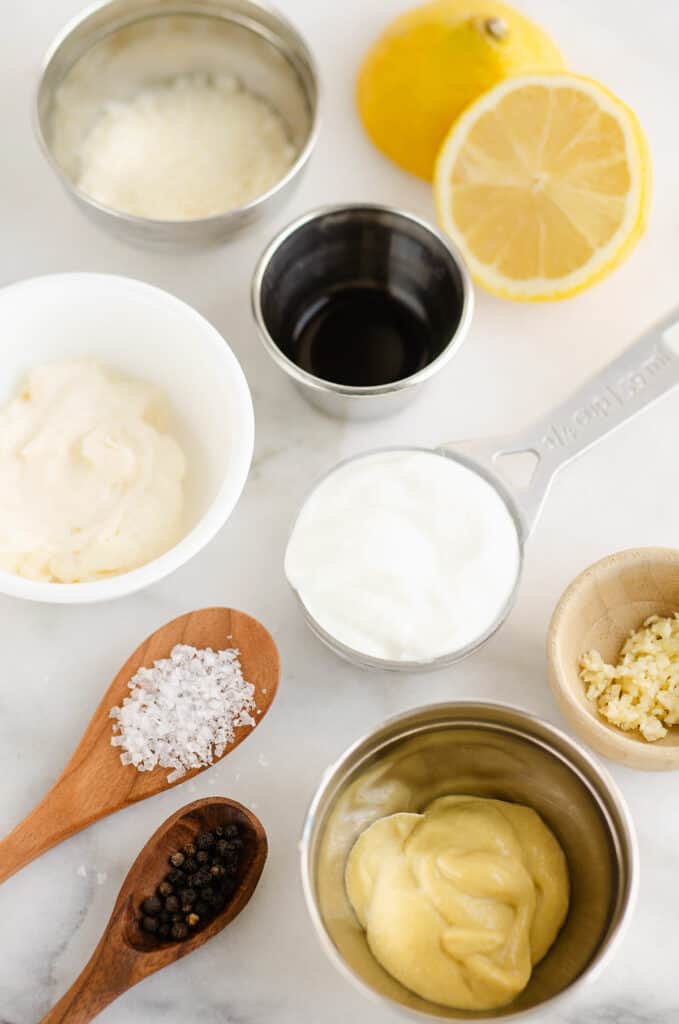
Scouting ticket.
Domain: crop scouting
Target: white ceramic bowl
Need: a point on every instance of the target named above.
(144, 332)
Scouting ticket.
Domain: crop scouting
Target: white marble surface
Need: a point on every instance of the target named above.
(517, 361)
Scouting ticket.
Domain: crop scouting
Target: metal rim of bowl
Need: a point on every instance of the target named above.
(300, 376)
(369, 661)
(134, 220)
(560, 745)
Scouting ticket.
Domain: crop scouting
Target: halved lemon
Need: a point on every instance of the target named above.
(544, 183)
(431, 62)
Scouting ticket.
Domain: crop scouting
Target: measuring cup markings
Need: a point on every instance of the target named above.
(644, 372)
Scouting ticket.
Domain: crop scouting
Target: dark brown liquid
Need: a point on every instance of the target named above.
(360, 336)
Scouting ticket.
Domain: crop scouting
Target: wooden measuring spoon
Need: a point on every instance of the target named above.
(94, 783)
(126, 954)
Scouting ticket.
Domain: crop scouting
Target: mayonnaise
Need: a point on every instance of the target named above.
(90, 484)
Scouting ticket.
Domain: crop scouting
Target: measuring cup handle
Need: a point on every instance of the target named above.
(644, 372)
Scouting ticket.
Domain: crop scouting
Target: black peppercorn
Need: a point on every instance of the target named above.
(200, 883)
(201, 878)
(205, 841)
(231, 864)
(151, 906)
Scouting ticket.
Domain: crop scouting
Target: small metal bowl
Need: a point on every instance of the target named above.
(361, 245)
(485, 750)
(116, 48)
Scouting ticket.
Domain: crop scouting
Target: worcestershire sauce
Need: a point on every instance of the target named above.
(361, 336)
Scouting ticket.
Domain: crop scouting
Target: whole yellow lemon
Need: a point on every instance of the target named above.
(431, 62)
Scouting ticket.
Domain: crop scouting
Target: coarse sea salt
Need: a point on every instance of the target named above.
(183, 712)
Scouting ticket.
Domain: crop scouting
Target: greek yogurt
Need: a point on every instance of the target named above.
(404, 555)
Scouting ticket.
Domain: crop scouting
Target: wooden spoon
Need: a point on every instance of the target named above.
(126, 954)
(94, 783)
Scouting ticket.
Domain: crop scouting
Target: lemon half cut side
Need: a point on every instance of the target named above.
(544, 183)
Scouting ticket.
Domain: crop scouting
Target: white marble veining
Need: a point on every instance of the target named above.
(517, 361)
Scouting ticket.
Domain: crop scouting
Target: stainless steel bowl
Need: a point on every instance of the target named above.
(361, 244)
(486, 750)
(115, 48)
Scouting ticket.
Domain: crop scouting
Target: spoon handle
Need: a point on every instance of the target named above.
(90, 787)
(109, 972)
(62, 812)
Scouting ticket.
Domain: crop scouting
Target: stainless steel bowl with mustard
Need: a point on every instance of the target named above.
(115, 49)
(484, 750)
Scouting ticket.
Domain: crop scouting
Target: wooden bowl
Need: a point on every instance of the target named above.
(598, 611)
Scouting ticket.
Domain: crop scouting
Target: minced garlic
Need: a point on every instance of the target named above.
(642, 690)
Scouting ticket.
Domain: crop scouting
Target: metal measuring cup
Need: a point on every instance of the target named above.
(644, 372)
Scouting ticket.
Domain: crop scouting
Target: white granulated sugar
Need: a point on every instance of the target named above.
(183, 712)
(195, 146)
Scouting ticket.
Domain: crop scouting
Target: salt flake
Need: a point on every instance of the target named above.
(183, 712)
